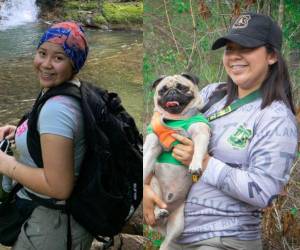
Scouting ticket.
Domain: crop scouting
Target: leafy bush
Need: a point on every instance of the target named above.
(120, 13)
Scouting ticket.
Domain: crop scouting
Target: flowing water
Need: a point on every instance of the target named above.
(16, 12)
(114, 62)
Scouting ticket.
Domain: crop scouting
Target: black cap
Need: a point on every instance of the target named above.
(252, 30)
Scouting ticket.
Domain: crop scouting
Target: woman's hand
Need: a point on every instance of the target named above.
(184, 151)
(5, 163)
(7, 131)
(150, 198)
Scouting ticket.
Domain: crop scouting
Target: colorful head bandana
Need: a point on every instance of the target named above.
(72, 38)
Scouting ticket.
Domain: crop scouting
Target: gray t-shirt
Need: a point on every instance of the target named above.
(252, 154)
(60, 115)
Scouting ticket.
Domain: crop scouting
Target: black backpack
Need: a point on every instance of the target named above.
(109, 188)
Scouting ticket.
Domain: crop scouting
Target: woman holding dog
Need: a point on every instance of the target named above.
(60, 55)
(252, 146)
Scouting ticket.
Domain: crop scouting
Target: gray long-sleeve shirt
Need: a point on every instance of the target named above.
(252, 154)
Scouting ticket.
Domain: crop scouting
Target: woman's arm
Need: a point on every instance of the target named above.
(56, 179)
(270, 157)
(150, 199)
(271, 154)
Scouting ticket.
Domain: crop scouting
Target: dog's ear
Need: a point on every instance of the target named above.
(157, 81)
(194, 79)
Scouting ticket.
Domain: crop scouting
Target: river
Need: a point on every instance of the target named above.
(114, 62)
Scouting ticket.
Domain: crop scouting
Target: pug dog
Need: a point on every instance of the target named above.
(176, 110)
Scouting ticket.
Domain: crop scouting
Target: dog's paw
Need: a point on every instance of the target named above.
(195, 171)
(161, 214)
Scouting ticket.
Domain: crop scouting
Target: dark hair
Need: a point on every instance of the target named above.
(277, 85)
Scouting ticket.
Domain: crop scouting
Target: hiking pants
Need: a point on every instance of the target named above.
(220, 243)
(46, 229)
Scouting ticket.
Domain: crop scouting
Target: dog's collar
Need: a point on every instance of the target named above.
(185, 115)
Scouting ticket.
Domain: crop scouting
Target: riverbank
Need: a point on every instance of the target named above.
(109, 15)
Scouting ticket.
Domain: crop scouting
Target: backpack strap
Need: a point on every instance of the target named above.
(34, 144)
(33, 137)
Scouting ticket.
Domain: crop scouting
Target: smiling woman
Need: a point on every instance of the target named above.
(52, 65)
(60, 55)
(250, 154)
(247, 67)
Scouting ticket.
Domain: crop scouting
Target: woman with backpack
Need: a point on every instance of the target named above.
(252, 146)
(60, 55)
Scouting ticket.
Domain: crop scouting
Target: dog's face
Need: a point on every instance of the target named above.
(174, 95)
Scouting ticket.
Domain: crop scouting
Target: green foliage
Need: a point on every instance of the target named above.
(125, 1)
(166, 56)
(291, 27)
(72, 5)
(78, 5)
(181, 6)
(169, 35)
(154, 238)
(72, 15)
(120, 13)
(147, 70)
(169, 57)
(115, 12)
(99, 19)
(294, 211)
(159, 65)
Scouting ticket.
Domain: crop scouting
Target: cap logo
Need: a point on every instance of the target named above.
(241, 22)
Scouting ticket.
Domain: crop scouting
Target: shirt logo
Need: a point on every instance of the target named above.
(22, 128)
(240, 138)
(241, 22)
